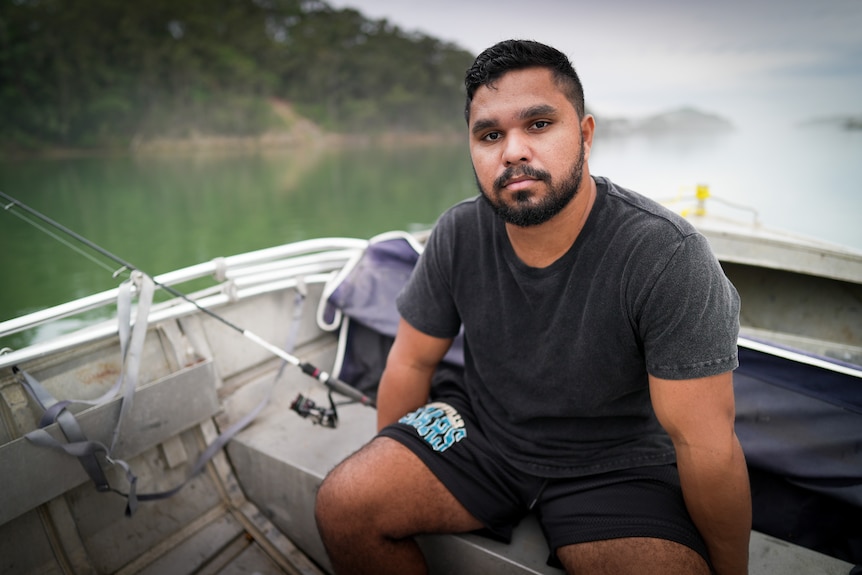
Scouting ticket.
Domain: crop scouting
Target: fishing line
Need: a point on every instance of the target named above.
(325, 378)
(60, 239)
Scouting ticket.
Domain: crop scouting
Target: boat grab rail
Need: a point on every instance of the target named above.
(341, 249)
(321, 259)
(700, 197)
(170, 310)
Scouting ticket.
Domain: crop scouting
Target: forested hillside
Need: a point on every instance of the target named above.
(101, 73)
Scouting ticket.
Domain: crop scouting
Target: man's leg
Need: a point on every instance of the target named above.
(369, 507)
(624, 521)
(635, 555)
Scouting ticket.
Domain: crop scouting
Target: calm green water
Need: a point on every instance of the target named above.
(162, 214)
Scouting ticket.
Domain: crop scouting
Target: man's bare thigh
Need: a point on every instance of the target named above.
(641, 555)
(390, 488)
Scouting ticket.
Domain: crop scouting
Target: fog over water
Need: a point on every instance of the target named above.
(769, 67)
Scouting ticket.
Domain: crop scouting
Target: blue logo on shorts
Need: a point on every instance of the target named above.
(438, 423)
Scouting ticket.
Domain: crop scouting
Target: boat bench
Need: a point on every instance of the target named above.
(281, 460)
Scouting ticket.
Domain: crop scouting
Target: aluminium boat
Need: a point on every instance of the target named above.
(213, 444)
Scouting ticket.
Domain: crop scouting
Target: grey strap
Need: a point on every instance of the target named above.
(70, 428)
(86, 450)
(219, 442)
(56, 411)
(133, 351)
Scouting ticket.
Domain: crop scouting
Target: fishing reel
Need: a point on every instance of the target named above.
(319, 415)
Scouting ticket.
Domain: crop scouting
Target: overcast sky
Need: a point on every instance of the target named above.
(791, 58)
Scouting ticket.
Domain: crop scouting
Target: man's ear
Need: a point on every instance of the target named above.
(588, 129)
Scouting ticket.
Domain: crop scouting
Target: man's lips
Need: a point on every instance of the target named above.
(516, 179)
(519, 183)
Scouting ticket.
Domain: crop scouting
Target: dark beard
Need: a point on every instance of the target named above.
(521, 213)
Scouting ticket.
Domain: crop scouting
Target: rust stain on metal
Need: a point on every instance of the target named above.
(194, 361)
(98, 374)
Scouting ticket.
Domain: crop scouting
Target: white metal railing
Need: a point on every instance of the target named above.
(242, 276)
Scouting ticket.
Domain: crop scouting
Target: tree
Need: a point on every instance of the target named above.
(96, 73)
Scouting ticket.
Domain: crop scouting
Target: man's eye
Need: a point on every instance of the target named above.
(491, 137)
(540, 124)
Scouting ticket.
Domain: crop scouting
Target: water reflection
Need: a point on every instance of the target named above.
(164, 213)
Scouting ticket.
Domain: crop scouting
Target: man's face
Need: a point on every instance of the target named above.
(526, 146)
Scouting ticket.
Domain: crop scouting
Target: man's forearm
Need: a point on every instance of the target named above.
(401, 391)
(718, 497)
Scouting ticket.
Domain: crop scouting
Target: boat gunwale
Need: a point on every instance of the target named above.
(221, 267)
(303, 264)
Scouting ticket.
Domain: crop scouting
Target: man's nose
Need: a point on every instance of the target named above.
(517, 149)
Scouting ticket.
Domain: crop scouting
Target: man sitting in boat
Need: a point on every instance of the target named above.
(599, 339)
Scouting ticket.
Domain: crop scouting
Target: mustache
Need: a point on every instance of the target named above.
(524, 170)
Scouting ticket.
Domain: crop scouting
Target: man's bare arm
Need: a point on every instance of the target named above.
(406, 380)
(699, 416)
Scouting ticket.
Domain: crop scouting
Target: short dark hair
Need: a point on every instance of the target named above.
(511, 55)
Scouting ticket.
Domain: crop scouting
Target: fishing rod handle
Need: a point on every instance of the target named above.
(336, 384)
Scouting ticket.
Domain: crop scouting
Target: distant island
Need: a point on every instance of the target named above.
(683, 121)
(840, 122)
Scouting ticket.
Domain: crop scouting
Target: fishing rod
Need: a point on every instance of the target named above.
(325, 378)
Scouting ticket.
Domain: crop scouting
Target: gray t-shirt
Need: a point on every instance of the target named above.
(556, 358)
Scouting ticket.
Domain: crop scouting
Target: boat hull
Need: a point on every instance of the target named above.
(251, 509)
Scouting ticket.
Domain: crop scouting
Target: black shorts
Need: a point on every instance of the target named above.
(637, 502)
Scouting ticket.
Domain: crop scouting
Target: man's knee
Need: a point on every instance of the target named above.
(335, 497)
(355, 491)
(326, 501)
(385, 489)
